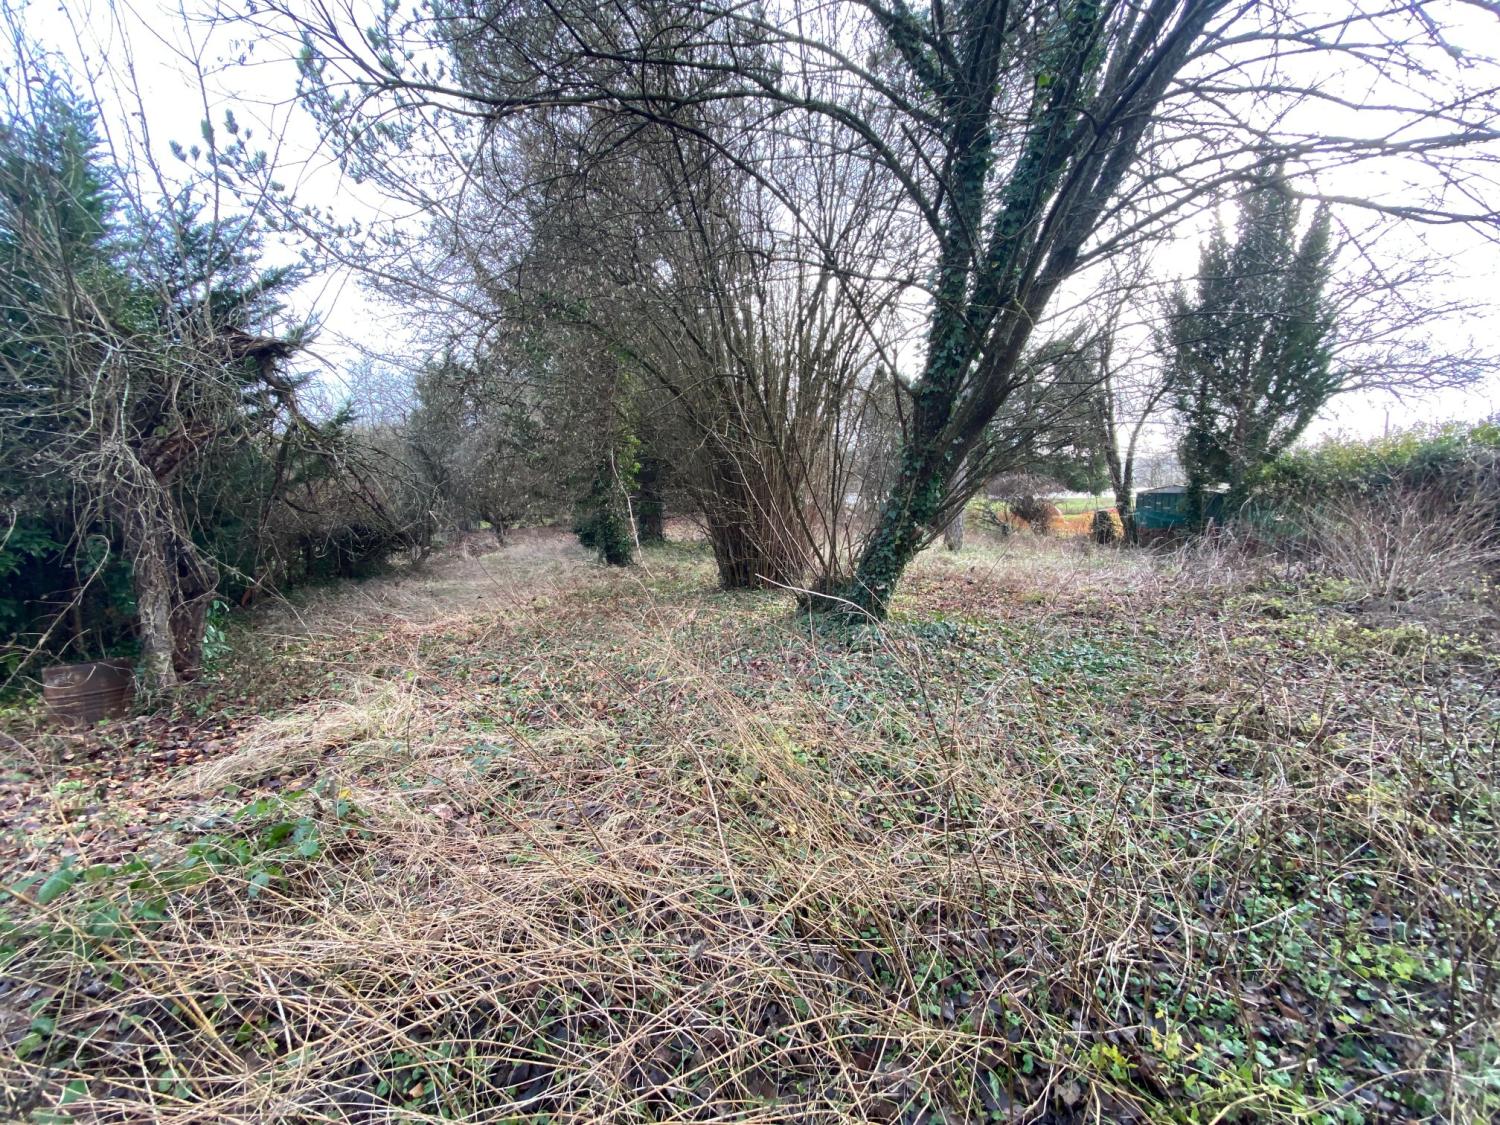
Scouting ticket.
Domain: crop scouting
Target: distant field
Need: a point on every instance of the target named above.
(1077, 513)
(1074, 504)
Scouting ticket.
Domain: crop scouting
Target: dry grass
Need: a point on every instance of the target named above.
(1059, 844)
(373, 721)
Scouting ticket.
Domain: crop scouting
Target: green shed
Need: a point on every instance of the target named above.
(1167, 507)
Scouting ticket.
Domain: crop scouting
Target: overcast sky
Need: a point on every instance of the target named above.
(158, 48)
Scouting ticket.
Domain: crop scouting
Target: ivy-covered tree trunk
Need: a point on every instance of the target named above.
(601, 521)
(932, 452)
(903, 526)
(1009, 237)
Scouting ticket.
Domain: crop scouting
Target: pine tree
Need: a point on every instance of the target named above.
(1249, 352)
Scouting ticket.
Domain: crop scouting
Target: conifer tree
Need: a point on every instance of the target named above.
(133, 354)
(1250, 348)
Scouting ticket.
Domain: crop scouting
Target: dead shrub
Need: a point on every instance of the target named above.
(1106, 527)
(1404, 545)
(1040, 515)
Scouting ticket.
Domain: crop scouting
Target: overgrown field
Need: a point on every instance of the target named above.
(1081, 835)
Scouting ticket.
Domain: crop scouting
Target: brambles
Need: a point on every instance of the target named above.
(1410, 521)
(1405, 544)
(626, 844)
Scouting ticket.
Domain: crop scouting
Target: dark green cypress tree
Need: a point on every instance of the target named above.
(56, 219)
(1250, 349)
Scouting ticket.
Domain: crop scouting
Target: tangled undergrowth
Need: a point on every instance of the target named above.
(1073, 838)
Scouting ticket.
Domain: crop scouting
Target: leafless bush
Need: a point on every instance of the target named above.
(1232, 555)
(1040, 515)
(1404, 545)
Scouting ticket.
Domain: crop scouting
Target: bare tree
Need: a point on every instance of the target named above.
(1029, 139)
(754, 332)
(750, 336)
(1129, 400)
(1129, 380)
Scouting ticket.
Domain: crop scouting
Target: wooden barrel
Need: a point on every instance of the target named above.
(81, 694)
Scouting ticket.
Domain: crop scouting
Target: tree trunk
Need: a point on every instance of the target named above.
(990, 295)
(1122, 481)
(650, 505)
(497, 525)
(1121, 472)
(192, 596)
(1125, 506)
(901, 528)
(747, 558)
(154, 585)
(80, 629)
(189, 623)
(173, 587)
(953, 534)
(734, 555)
(755, 525)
